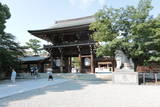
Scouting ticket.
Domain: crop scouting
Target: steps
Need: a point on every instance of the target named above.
(75, 76)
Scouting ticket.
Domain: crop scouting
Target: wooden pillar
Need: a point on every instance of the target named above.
(51, 61)
(51, 56)
(28, 68)
(42, 67)
(61, 65)
(80, 63)
(69, 64)
(66, 64)
(61, 60)
(92, 60)
(113, 65)
(39, 67)
(80, 59)
(92, 63)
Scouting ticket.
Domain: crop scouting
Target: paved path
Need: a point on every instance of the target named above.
(76, 93)
(8, 89)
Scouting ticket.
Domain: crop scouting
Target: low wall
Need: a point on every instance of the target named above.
(125, 78)
(76, 76)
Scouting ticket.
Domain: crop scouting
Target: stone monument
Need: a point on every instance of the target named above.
(123, 63)
(124, 70)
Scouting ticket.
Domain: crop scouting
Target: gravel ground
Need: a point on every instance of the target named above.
(87, 94)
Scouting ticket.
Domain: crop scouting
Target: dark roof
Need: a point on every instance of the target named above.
(32, 58)
(73, 22)
(69, 23)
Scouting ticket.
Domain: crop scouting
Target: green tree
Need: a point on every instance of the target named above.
(146, 45)
(129, 29)
(75, 62)
(4, 15)
(9, 52)
(34, 44)
(9, 49)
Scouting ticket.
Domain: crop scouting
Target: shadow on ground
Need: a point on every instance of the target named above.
(72, 85)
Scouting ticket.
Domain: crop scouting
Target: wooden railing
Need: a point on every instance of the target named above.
(148, 69)
(151, 70)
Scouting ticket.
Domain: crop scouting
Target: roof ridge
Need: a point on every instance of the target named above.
(73, 19)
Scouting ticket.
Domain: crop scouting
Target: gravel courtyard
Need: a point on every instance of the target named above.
(78, 93)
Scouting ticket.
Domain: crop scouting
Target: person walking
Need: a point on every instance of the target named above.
(36, 72)
(32, 71)
(13, 76)
(50, 76)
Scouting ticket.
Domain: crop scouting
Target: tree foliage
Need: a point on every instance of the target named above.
(4, 15)
(75, 62)
(9, 52)
(34, 44)
(9, 49)
(132, 30)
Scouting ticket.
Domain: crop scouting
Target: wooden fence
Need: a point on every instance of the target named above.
(148, 69)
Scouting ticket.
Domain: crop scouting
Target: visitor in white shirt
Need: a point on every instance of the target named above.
(13, 76)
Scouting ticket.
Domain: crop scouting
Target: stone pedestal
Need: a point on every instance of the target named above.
(125, 77)
(124, 70)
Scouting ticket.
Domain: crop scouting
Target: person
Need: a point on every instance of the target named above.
(32, 71)
(13, 76)
(50, 76)
(36, 72)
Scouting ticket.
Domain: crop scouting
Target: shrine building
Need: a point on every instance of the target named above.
(72, 38)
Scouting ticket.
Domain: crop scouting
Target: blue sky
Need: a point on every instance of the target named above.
(39, 14)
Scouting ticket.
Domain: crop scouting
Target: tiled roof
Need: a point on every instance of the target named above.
(73, 22)
(69, 23)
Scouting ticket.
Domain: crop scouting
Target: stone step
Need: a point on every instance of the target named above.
(75, 76)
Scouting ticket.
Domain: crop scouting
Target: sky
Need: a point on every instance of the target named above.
(39, 14)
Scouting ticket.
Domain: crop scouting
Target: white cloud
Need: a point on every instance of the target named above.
(86, 3)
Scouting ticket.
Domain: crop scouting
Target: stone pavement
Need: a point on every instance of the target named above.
(80, 93)
(7, 88)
